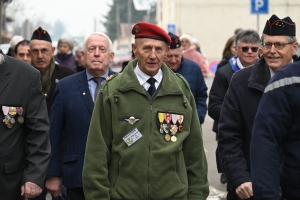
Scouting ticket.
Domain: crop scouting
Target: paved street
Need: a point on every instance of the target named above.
(217, 190)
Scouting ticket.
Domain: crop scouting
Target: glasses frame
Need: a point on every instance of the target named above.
(275, 44)
(245, 49)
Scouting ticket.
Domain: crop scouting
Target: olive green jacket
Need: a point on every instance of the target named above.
(151, 168)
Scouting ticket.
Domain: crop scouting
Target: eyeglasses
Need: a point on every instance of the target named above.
(92, 49)
(246, 49)
(43, 51)
(277, 45)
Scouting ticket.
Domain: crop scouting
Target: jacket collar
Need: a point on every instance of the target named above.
(260, 75)
(129, 81)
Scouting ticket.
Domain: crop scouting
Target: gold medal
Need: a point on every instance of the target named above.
(180, 120)
(173, 138)
(9, 125)
(167, 137)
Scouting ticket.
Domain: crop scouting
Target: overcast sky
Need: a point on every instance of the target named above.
(77, 15)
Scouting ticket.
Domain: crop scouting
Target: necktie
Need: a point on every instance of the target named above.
(151, 89)
(98, 80)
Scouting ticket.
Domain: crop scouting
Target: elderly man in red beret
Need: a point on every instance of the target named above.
(145, 139)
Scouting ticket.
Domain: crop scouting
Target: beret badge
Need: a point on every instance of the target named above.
(137, 28)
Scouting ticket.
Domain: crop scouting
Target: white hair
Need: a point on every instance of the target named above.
(98, 33)
(79, 47)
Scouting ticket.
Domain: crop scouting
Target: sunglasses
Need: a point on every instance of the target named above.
(246, 49)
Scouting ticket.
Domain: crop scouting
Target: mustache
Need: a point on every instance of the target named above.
(41, 60)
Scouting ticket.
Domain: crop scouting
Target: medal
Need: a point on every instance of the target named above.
(167, 137)
(12, 120)
(12, 111)
(20, 112)
(9, 125)
(173, 138)
(161, 117)
(180, 120)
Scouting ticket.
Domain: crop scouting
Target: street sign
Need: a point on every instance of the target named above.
(171, 28)
(259, 6)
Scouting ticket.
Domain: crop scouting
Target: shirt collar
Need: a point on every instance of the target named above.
(89, 76)
(142, 77)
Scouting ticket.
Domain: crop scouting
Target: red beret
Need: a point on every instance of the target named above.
(146, 30)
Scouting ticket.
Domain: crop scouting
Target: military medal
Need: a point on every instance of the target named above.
(173, 138)
(20, 112)
(12, 111)
(167, 137)
(161, 117)
(180, 120)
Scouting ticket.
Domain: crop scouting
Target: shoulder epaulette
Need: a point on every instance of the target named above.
(111, 76)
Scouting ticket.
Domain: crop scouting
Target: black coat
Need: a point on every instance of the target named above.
(236, 121)
(24, 148)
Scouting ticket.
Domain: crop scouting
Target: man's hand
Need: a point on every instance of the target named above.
(54, 186)
(244, 191)
(30, 190)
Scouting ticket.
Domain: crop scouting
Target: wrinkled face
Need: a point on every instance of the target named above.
(185, 44)
(79, 58)
(150, 54)
(63, 47)
(173, 59)
(278, 57)
(97, 55)
(41, 53)
(23, 53)
(247, 53)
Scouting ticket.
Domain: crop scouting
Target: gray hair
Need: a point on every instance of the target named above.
(291, 39)
(79, 47)
(98, 33)
(66, 39)
(247, 35)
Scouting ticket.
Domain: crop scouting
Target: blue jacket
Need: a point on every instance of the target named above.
(192, 73)
(276, 132)
(70, 117)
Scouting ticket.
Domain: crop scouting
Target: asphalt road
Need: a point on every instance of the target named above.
(217, 190)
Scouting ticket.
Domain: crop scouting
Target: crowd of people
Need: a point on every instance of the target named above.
(74, 128)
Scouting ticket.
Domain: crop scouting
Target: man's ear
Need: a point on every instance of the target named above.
(53, 49)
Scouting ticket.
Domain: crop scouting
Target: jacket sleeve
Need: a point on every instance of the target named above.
(195, 159)
(230, 139)
(216, 95)
(271, 127)
(37, 143)
(201, 97)
(97, 155)
(57, 125)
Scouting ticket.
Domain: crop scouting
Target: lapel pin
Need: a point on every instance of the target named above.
(132, 120)
(83, 93)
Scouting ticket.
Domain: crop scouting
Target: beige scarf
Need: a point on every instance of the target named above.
(46, 78)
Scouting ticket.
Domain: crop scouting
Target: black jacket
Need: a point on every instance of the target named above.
(236, 121)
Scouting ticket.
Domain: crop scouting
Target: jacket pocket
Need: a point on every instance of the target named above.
(15, 166)
(70, 158)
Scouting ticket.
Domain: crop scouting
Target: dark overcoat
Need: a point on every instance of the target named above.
(70, 114)
(24, 148)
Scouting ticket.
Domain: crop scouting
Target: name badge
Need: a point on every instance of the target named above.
(132, 137)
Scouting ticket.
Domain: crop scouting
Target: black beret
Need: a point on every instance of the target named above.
(276, 26)
(40, 34)
(175, 41)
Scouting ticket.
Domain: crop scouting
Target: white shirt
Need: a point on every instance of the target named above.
(142, 77)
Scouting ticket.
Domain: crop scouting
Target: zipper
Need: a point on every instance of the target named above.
(119, 167)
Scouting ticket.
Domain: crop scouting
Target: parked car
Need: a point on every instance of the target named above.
(4, 48)
(120, 57)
